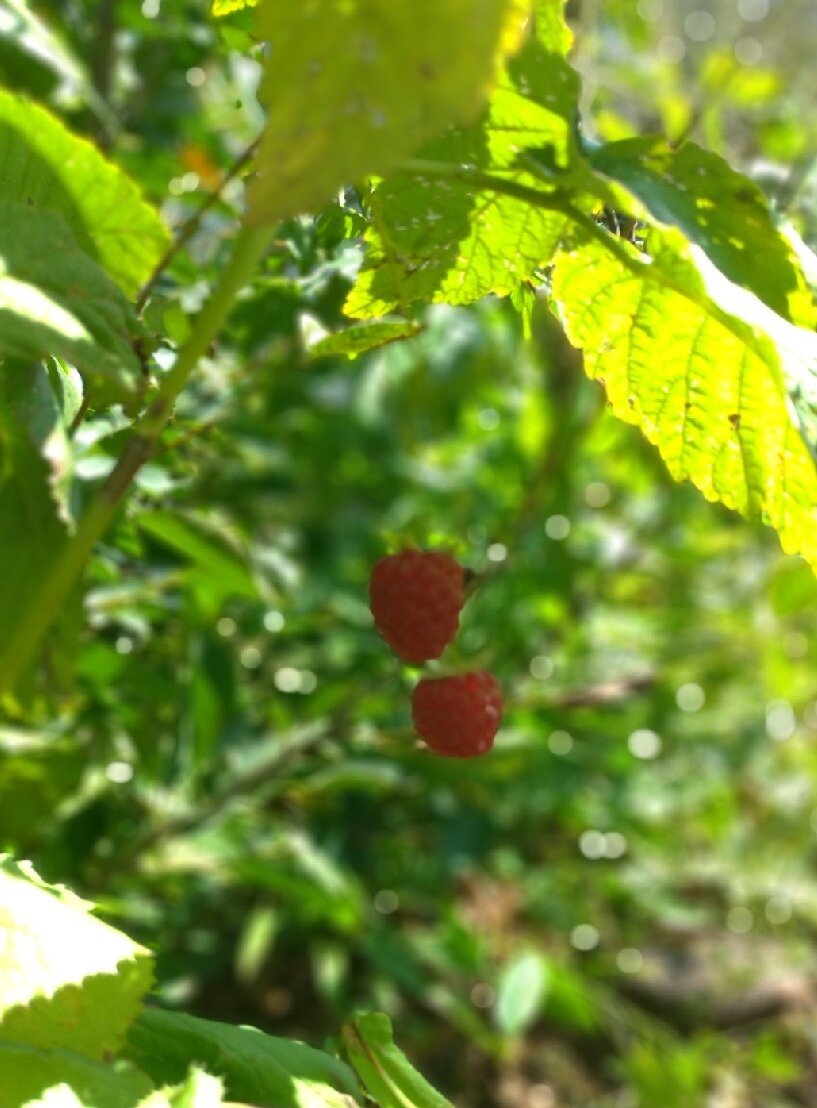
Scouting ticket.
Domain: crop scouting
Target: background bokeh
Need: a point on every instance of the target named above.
(618, 906)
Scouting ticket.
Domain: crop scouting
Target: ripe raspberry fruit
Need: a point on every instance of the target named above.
(458, 716)
(416, 597)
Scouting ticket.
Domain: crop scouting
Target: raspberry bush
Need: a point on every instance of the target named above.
(280, 280)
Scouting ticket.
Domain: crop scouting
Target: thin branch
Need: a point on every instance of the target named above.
(253, 781)
(189, 228)
(22, 644)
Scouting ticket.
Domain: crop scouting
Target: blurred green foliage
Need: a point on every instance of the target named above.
(617, 907)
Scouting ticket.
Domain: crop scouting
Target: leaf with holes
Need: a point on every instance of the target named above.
(435, 236)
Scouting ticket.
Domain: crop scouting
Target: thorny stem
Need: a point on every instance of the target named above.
(250, 246)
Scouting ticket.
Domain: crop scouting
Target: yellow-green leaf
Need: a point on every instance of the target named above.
(436, 236)
(224, 7)
(708, 388)
(67, 980)
(353, 86)
(46, 168)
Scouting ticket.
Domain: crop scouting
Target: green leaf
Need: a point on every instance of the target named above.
(389, 1077)
(720, 210)
(37, 404)
(26, 1073)
(204, 549)
(373, 83)
(520, 991)
(55, 300)
(706, 387)
(67, 980)
(435, 236)
(550, 26)
(364, 336)
(44, 167)
(33, 526)
(279, 1073)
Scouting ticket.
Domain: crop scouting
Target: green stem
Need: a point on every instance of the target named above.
(478, 178)
(552, 201)
(250, 246)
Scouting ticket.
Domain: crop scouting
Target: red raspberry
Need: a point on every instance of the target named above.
(458, 716)
(416, 597)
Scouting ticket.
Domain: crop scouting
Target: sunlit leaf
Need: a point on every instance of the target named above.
(67, 980)
(441, 237)
(722, 211)
(707, 388)
(373, 83)
(46, 168)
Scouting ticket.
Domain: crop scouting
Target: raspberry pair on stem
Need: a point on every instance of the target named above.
(416, 597)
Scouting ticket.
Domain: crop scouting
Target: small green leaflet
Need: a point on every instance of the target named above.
(520, 991)
(389, 1077)
(707, 388)
(26, 1073)
(353, 86)
(67, 980)
(55, 300)
(722, 211)
(364, 336)
(266, 1071)
(46, 168)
